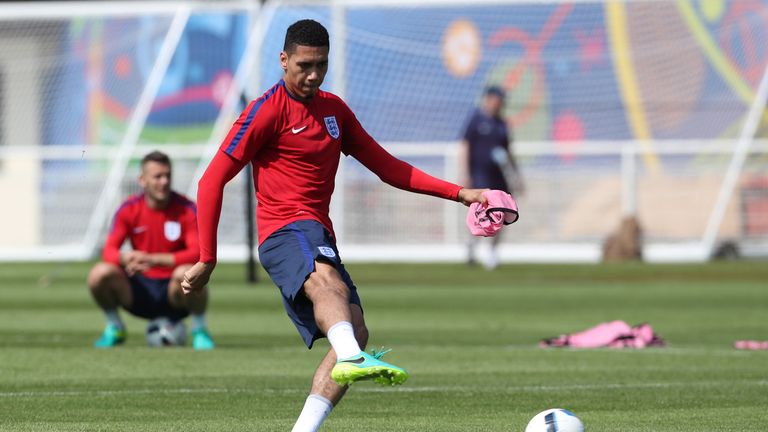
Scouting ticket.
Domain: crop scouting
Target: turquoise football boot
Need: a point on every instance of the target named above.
(201, 340)
(112, 336)
(366, 366)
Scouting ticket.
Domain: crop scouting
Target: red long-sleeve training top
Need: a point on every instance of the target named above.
(169, 230)
(295, 147)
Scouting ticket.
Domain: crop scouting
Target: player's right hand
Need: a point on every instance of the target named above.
(135, 262)
(196, 278)
(469, 196)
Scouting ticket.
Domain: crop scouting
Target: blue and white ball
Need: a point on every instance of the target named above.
(555, 420)
(162, 332)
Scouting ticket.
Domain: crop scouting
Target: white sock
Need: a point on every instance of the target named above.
(113, 318)
(342, 338)
(198, 321)
(493, 258)
(471, 250)
(316, 409)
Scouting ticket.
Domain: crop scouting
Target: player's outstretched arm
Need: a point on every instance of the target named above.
(405, 176)
(210, 194)
(401, 174)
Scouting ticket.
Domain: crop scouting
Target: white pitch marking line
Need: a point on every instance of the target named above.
(405, 389)
(111, 392)
(513, 389)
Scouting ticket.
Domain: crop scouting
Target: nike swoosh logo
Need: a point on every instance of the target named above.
(295, 131)
(354, 361)
(140, 229)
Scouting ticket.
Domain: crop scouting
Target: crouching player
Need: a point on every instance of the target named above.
(162, 228)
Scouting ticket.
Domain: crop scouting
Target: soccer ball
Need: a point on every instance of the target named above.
(162, 332)
(555, 420)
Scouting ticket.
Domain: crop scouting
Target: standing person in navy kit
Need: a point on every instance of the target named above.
(485, 154)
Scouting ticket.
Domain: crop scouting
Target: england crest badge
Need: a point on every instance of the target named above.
(332, 126)
(326, 251)
(172, 230)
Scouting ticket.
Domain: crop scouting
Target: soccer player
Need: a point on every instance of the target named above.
(485, 153)
(162, 228)
(293, 136)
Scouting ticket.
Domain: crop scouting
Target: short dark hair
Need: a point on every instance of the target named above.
(156, 156)
(305, 32)
(495, 91)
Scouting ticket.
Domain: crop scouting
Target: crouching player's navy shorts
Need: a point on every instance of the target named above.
(289, 256)
(150, 299)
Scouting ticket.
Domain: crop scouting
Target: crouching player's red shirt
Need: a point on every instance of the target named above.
(295, 147)
(169, 230)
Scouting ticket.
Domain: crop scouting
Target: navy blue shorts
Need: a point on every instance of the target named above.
(289, 256)
(150, 299)
(490, 180)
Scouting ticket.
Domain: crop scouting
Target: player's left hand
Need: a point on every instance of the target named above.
(136, 262)
(196, 278)
(469, 196)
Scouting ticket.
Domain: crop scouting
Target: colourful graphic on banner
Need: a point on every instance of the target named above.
(113, 58)
(573, 71)
(647, 71)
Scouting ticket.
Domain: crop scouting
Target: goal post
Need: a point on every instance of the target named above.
(136, 122)
(736, 165)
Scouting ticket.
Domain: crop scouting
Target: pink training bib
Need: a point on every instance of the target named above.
(500, 210)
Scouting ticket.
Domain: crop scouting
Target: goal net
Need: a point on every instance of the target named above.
(643, 108)
(85, 91)
(617, 108)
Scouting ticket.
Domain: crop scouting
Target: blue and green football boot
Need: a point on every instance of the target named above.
(110, 337)
(366, 366)
(201, 340)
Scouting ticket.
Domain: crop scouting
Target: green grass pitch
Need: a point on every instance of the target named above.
(468, 338)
